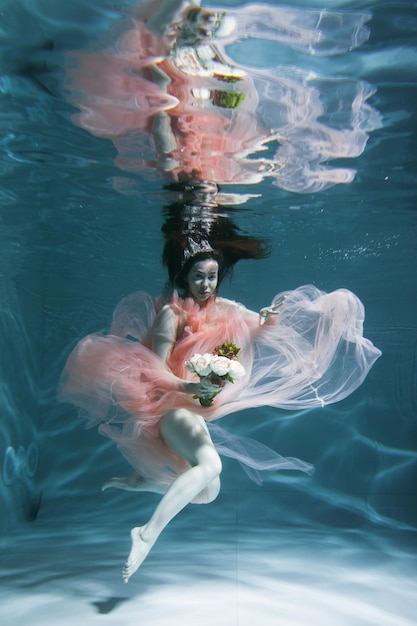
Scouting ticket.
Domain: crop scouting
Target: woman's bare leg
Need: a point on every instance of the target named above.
(186, 434)
(133, 482)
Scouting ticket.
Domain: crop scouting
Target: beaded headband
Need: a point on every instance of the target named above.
(195, 247)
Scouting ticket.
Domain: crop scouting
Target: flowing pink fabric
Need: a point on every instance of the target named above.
(312, 354)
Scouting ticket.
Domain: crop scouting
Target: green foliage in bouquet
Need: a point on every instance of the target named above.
(228, 349)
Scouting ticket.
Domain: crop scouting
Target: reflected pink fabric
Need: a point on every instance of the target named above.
(118, 96)
(123, 90)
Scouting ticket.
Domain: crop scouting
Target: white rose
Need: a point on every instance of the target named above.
(220, 365)
(236, 370)
(200, 364)
(189, 365)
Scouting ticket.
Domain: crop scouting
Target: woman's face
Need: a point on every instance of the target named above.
(202, 279)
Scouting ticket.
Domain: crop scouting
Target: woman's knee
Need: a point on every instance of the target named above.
(208, 458)
(213, 489)
(209, 493)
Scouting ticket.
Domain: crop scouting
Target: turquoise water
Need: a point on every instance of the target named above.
(78, 232)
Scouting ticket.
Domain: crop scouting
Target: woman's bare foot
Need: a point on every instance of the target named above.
(133, 482)
(138, 553)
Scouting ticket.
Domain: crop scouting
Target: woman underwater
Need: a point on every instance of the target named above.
(304, 350)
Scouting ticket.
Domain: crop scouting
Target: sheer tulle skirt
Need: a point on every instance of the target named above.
(312, 354)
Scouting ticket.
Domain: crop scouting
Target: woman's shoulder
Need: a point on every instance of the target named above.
(168, 310)
(172, 307)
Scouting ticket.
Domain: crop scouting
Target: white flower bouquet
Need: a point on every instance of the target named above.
(215, 369)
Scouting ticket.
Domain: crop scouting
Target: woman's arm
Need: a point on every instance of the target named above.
(164, 333)
(164, 336)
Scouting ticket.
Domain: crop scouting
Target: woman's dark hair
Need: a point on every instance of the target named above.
(196, 230)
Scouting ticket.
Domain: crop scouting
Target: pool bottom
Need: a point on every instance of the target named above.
(204, 569)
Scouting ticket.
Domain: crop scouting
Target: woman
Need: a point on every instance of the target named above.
(181, 429)
(311, 354)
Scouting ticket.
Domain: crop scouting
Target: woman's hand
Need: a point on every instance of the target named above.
(267, 311)
(201, 389)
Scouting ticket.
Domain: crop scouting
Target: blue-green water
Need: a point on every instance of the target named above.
(334, 548)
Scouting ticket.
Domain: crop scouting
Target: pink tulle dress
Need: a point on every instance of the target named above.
(312, 354)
